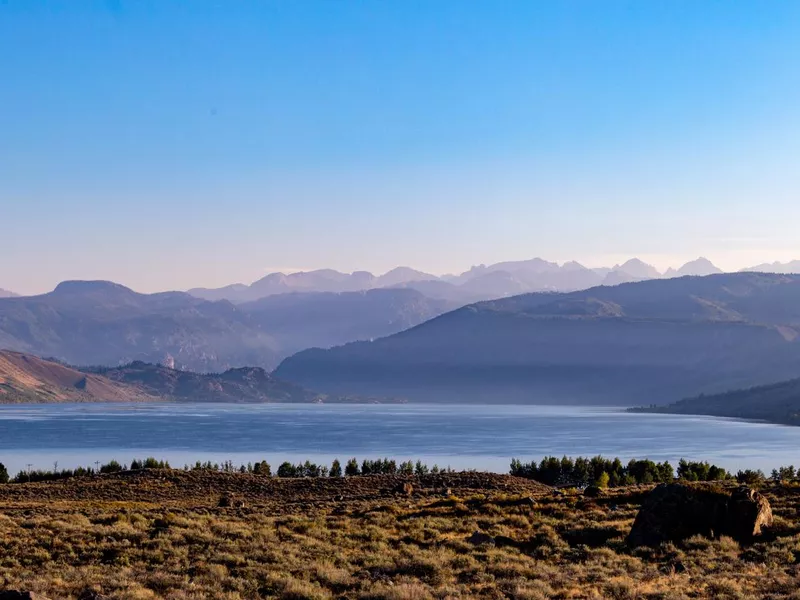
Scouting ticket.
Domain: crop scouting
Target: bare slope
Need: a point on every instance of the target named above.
(27, 378)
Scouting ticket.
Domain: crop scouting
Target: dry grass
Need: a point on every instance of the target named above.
(371, 546)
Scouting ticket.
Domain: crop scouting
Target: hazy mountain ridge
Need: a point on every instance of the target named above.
(298, 321)
(105, 323)
(637, 343)
(7, 294)
(480, 282)
(790, 267)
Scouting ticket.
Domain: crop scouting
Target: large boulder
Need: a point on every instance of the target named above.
(674, 512)
(748, 513)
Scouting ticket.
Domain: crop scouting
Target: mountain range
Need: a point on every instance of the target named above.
(792, 266)
(27, 378)
(653, 340)
(478, 283)
(646, 342)
(103, 323)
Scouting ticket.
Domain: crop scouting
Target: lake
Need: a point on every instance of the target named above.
(467, 436)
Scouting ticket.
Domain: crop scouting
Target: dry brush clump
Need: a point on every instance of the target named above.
(162, 535)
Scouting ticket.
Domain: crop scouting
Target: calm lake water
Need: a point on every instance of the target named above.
(467, 436)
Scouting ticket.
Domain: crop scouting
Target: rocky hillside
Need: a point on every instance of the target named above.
(26, 378)
(245, 384)
(638, 343)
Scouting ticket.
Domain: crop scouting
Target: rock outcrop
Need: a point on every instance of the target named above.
(748, 513)
(675, 512)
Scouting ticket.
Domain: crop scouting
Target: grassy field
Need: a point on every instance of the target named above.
(163, 534)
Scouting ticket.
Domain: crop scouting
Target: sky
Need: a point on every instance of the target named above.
(167, 145)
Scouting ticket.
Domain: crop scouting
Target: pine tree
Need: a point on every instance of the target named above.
(351, 469)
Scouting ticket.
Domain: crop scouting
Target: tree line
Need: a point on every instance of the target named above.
(551, 470)
(352, 468)
(604, 472)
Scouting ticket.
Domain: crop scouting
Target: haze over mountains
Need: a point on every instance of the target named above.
(648, 342)
(792, 266)
(103, 323)
(652, 338)
(481, 282)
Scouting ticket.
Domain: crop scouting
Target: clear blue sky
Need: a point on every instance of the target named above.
(171, 144)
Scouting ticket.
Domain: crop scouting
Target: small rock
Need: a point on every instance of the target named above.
(501, 541)
(229, 501)
(592, 491)
(477, 539)
(91, 595)
(404, 488)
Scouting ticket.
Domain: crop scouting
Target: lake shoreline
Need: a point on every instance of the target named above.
(460, 436)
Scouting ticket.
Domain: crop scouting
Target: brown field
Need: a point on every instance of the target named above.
(163, 534)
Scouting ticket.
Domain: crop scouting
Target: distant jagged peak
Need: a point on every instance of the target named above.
(529, 266)
(637, 269)
(698, 267)
(7, 294)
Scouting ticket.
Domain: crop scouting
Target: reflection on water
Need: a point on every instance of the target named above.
(463, 436)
